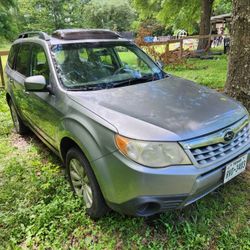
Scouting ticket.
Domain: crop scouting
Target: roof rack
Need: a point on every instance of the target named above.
(40, 34)
(76, 34)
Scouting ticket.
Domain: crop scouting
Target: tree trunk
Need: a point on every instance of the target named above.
(206, 12)
(238, 75)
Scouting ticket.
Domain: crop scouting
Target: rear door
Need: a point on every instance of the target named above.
(10, 70)
(22, 70)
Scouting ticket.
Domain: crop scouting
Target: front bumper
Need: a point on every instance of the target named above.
(133, 189)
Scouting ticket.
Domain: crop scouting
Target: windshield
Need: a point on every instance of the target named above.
(85, 66)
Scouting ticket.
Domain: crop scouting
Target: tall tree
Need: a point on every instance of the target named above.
(109, 14)
(206, 12)
(238, 77)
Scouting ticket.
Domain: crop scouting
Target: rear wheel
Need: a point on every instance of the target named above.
(84, 184)
(18, 123)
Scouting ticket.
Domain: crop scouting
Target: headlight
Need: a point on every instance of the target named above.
(152, 154)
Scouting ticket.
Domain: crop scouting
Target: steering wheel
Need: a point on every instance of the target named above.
(119, 70)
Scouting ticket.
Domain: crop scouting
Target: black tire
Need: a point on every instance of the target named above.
(17, 121)
(98, 207)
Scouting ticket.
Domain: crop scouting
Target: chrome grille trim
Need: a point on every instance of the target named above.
(212, 148)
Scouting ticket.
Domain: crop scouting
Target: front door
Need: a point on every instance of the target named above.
(42, 112)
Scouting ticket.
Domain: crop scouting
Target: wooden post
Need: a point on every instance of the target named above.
(167, 48)
(209, 41)
(181, 48)
(1, 72)
(2, 53)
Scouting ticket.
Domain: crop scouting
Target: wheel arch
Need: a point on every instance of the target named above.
(65, 144)
(89, 137)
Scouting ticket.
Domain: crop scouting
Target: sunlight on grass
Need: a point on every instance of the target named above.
(211, 73)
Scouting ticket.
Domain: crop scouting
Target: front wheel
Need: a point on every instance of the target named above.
(84, 184)
(18, 123)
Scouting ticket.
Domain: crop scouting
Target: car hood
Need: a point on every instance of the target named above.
(171, 109)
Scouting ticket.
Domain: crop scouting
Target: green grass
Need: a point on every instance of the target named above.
(38, 210)
(211, 73)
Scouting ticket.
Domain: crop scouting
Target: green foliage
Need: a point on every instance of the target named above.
(50, 15)
(8, 26)
(222, 7)
(7, 3)
(147, 9)
(181, 14)
(112, 15)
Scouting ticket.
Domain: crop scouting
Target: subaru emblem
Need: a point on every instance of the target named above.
(229, 135)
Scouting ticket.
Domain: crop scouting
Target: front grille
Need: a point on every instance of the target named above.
(214, 152)
(213, 148)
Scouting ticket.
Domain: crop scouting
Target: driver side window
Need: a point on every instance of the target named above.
(39, 63)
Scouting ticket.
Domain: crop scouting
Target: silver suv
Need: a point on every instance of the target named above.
(132, 137)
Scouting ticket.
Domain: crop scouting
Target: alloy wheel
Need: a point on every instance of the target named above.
(80, 182)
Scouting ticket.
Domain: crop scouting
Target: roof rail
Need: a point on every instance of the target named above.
(78, 34)
(40, 34)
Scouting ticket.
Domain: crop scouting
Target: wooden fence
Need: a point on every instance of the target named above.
(2, 54)
(181, 41)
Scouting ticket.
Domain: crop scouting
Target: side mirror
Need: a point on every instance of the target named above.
(35, 83)
(160, 64)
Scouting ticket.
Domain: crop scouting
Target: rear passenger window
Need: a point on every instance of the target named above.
(23, 59)
(11, 56)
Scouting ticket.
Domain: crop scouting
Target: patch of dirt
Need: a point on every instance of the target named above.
(20, 142)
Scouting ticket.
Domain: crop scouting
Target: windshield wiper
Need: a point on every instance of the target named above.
(88, 87)
(107, 85)
(132, 81)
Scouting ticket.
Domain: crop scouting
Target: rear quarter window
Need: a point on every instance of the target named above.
(23, 59)
(11, 57)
